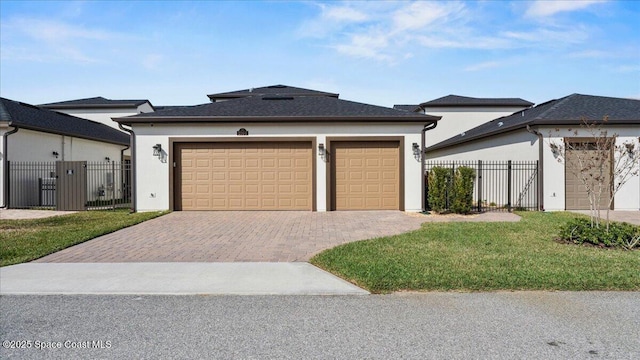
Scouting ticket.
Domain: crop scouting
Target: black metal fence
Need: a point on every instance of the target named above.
(34, 185)
(499, 185)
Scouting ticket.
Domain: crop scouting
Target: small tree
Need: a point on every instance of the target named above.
(601, 164)
(463, 190)
(440, 188)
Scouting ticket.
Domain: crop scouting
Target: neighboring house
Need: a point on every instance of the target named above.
(278, 148)
(460, 113)
(100, 109)
(32, 134)
(526, 135)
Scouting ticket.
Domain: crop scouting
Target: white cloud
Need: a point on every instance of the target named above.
(483, 66)
(546, 8)
(44, 40)
(389, 31)
(377, 30)
(366, 46)
(55, 31)
(417, 15)
(343, 14)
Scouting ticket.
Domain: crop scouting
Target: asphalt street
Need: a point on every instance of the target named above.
(502, 325)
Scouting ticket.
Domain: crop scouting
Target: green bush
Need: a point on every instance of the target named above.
(580, 231)
(463, 190)
(439, 189)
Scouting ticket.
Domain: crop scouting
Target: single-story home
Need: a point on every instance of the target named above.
(30, 133)
(527, 135)
(459, 113)
(278, 148)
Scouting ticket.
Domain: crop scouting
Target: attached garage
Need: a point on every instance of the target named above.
(278, 148)
(256, 175)
(365, 175)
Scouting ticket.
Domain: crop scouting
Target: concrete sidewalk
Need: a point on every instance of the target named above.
(172, 279)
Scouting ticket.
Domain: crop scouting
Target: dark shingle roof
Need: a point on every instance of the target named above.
(35, 118)
(569, 110)
(456, 100)
(274, 90)
(167, 107)
(409, 108)
(280, 109)
(98, 101)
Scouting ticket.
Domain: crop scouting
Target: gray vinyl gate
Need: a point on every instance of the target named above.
(69, 185)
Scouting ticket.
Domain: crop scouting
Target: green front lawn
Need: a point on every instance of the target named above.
(26, 240)
(483, 256)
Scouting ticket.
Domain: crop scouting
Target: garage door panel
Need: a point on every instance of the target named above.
(366, 175)
(246, 176)
(575, 191)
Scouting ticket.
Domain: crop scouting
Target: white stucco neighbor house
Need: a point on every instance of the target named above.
(526, 135)
(30, 133)
(460, 113)
(102, 110)
(278, 148)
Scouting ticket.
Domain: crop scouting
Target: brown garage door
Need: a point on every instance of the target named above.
(366, 175)
(244, 176)
(576, 197)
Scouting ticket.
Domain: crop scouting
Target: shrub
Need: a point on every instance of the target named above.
(463, 190)
(439, 188)
(580, 231)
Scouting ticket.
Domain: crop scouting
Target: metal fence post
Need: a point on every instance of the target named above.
(509, 185)
(113, 185)
(479, 185)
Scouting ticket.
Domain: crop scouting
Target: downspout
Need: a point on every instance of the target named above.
(134, 183)
(540, 165)
(422, 162)
(122, 153)
(5, 165)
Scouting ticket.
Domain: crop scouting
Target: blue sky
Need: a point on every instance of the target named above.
(383, 53)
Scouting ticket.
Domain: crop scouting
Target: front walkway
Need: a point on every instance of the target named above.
(631, 217)
(246, 236)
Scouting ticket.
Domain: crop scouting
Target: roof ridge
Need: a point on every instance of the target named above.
(554, 107)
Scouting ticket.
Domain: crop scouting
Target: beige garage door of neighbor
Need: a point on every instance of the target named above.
(244, 176)
(575, 191)
(366, 175)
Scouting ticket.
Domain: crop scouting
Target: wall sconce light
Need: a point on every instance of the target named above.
(107, 159)
(55, 153)
(321, 150)
(417, 154)
(157, 150)
(416, 149)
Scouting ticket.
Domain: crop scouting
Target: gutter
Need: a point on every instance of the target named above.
(422, 162)
(541, 166)
(5, 166)
(134, 183)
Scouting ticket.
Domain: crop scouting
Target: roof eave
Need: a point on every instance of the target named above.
(272, 119)
(93, 106)
(536, 122)
(65, 133)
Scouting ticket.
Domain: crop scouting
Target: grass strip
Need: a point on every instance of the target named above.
(26, 240)
(483, 257)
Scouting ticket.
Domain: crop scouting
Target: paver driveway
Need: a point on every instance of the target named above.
(272, 236)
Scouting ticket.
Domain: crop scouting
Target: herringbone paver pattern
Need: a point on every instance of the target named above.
(272, 236)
